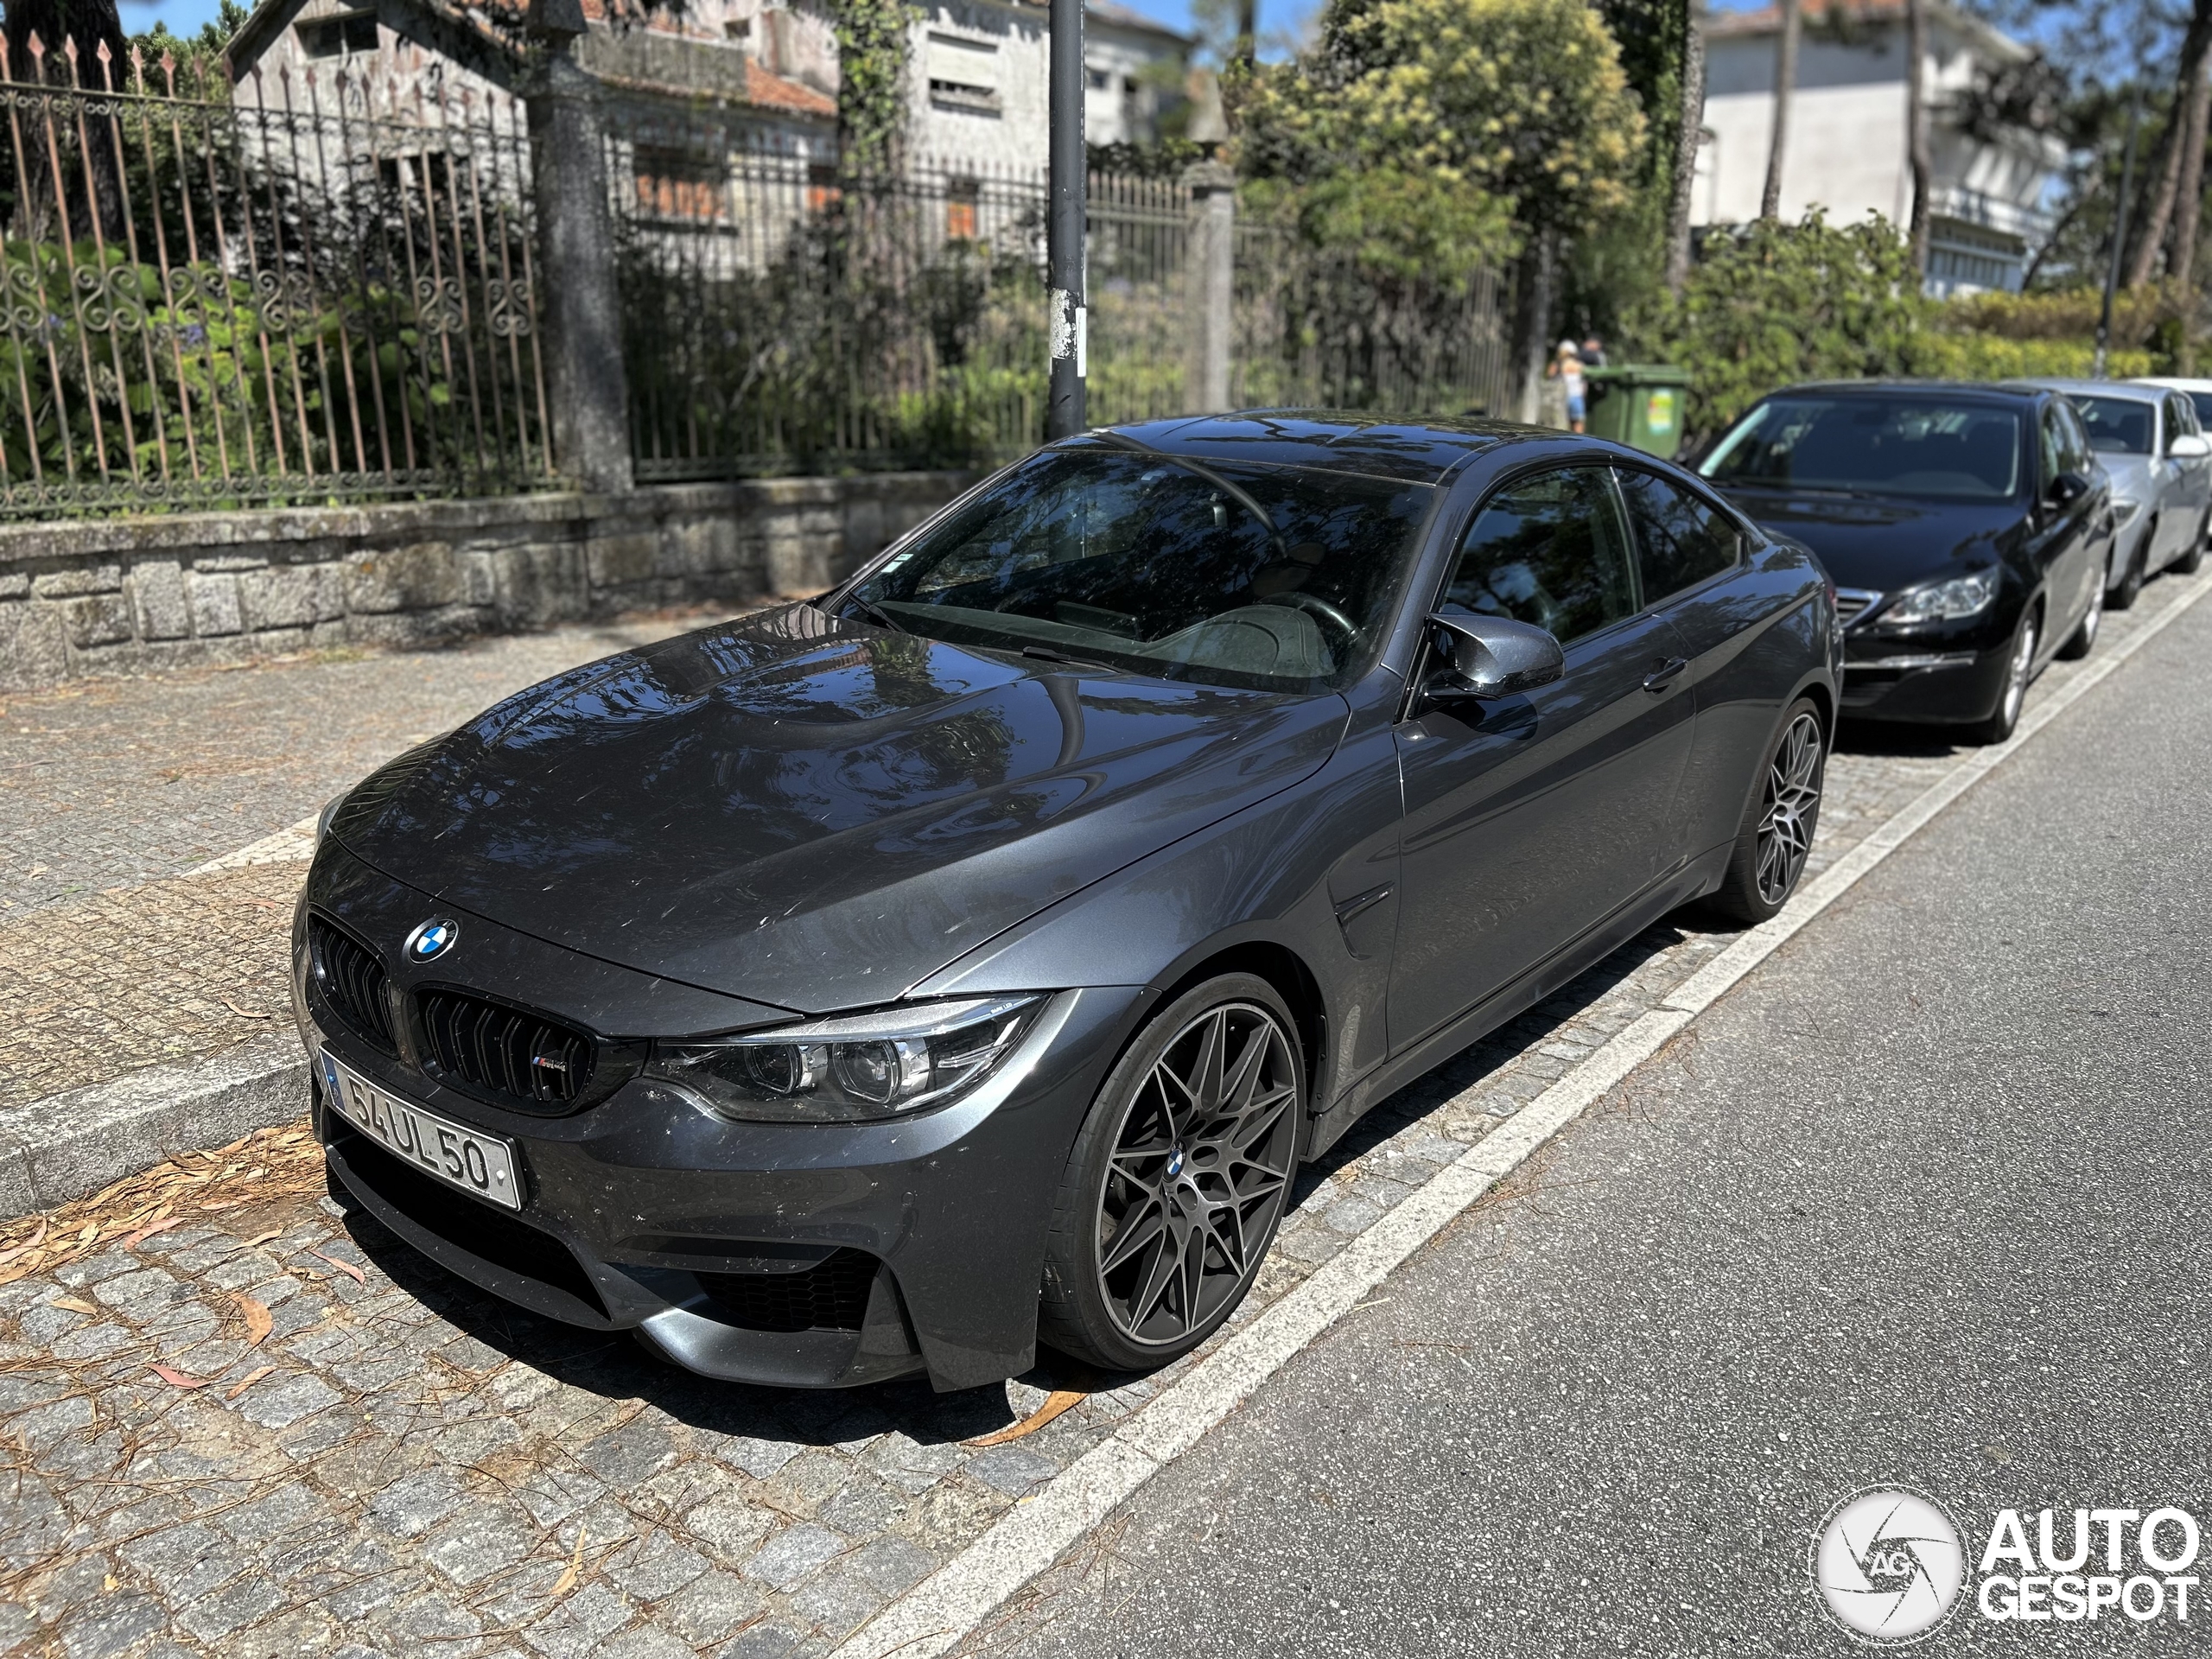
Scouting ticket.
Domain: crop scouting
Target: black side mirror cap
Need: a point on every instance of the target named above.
(2068, 488)
(1496, 656)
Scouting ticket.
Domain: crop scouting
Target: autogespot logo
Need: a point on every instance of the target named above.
(1888, 1563)
(433, 939)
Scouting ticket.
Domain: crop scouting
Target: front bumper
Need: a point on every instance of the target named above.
(804, 1255)
(1905, 682)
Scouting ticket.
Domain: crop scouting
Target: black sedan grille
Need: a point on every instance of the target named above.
(519, 1059)
(1852, 603)
(354, 984)
(830, 1296)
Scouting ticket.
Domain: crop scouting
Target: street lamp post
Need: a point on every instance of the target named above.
(1063, 226)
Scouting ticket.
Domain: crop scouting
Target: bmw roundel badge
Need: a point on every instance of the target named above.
(433, 939)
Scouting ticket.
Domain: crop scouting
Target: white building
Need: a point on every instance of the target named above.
(979, 96)
(1846, 149)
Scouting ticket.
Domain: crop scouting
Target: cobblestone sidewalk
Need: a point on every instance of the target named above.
(114, 954)
(426, 1470)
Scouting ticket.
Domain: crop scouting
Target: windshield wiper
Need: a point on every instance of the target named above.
(1046, 654)
(876, 613)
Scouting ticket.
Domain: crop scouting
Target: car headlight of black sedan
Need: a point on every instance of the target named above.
(1953, 599)
(852, 1068)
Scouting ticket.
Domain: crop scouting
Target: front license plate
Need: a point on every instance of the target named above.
(460, 1156)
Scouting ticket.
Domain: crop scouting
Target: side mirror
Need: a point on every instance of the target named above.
(1495, 656)
(2190, 446)
(2068, 488)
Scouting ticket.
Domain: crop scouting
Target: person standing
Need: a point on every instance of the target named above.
(1566, 369)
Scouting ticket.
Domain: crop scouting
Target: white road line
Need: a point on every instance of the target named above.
(948, 1605)
(283, 846)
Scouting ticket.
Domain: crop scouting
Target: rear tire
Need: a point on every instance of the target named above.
(1177, 1179)
(2014, 697)
(2084, 638)
(2194, 556)
(2123, 597)
(1779, 824)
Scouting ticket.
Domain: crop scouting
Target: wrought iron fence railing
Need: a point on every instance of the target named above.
(287, 291)
(784, 318)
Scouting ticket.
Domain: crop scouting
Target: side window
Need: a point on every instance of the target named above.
(2078, 456)
(2054, 446)
(1550, 549)
(2180, 416)
(1680, 540)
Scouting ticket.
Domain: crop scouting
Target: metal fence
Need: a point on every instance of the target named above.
(782, 318)
(288, 291)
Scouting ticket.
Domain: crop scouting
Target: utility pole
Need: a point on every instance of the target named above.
(1063, 226)
(2119, 230)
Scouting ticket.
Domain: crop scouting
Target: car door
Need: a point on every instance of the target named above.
(1530, 820)
(1693, 562)
(2064, 535)
(2196, 472)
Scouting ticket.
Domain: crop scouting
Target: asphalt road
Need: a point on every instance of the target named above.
(1923, 1201)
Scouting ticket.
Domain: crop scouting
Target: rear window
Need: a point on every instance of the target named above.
(2118, 425)
(1915, 446)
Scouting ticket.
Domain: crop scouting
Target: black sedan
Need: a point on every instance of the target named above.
(872, 985)
(1967, 528)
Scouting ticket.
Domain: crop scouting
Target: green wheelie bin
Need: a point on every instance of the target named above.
(1640, 405)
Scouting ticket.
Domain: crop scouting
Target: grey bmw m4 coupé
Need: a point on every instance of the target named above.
(881, 984)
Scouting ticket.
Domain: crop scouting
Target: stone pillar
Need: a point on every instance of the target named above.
(1213, 283)
(581, 310)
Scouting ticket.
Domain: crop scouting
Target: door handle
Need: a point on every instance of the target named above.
(1663, 675)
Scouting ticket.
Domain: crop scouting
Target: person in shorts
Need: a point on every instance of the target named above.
(1567, 366)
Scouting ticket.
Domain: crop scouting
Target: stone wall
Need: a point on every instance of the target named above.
(124, 594)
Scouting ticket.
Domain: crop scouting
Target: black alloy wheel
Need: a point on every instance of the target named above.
(1779, 824)
(1178, 1179)
(2130, 590)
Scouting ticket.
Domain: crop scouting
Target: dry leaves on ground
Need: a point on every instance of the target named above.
(266, 1166)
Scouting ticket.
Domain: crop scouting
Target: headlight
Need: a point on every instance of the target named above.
(1944, 601)
(849, 1070)
(329, 811)
(2123, 513)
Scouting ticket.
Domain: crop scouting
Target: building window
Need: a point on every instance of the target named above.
(331, 37)
(676, 184)
(738, 31)
(1101, 80)
(961, 199)
(963, 75)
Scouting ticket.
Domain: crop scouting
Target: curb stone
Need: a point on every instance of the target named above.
(69, 1145)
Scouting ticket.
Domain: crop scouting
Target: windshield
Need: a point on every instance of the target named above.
(1914, 446)
(1267, 577)
(2118, 425)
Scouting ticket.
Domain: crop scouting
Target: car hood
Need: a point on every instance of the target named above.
(795, 811)
(1884, 542)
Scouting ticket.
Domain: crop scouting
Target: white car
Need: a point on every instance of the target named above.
(2151, 445)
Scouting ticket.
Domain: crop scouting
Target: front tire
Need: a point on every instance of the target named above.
(2084, 638)
(2017, 673)
(1177, 1180)
(1778, 826)
(2123, 597)
(2193, 555)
